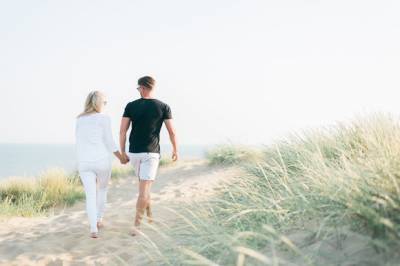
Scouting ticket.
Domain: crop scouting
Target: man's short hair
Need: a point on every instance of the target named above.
(147, 82)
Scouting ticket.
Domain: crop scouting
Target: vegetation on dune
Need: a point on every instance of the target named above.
(121, 170)
(346, 175)
(313, 184)
(165, 161)
(53, 188)
(231, 155)
(22, 197)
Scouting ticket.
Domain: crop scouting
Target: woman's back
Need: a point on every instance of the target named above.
(93, 137)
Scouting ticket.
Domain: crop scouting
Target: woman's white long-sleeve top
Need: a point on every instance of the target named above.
(93, 136)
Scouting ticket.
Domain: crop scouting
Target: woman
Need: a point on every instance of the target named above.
(94, 144)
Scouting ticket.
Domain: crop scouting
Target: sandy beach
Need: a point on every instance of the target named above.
(63, 237)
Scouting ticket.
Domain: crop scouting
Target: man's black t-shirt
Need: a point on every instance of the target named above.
(147, 116)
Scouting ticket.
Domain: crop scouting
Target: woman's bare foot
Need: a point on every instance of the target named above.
(100, 225)
(94, 235)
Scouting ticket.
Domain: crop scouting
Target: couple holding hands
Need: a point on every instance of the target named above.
(95, 143)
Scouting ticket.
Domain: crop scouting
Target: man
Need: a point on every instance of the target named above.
(146, 115)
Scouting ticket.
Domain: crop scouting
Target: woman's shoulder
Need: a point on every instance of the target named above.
(96, 116)
(103, 115)
(104, 118)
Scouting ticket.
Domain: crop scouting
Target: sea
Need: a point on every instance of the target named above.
(29, 160)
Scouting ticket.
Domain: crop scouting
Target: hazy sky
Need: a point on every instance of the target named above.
(245, 71)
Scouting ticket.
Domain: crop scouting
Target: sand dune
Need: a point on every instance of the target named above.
(62, 238)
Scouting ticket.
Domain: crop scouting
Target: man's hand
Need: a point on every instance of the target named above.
(174, 156)
(124, 158)
(172, 137)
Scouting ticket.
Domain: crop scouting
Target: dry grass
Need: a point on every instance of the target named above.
(53, 188)
(347, 175)
(22, 197)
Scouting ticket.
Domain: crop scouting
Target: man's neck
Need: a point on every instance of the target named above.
(147, 96)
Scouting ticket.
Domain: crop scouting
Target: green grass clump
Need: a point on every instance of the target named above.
(21, 197)
(53, 188)
(231, 155)
(165, 161)
(346, 175)
(121, 170)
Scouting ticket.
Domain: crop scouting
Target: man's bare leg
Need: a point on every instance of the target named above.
(148, 212)
(142, 203)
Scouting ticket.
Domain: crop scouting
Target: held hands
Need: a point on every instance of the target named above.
(124, 158)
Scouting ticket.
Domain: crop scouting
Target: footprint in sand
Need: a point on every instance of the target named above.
(57, 262)
(178, 193)
(64, 239)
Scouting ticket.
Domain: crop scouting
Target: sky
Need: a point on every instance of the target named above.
(245, 72)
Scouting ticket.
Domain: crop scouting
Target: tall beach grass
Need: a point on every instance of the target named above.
(312, 188)
(52, 188)
(23, 197)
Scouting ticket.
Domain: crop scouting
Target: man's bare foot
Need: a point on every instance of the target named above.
(100, 225)
(134, 231)
(149, 215)
(94, 235)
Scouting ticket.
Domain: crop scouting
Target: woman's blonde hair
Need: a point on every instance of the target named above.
(93, 103)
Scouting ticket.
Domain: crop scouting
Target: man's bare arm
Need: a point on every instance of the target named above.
(172, 137)
(125, 124)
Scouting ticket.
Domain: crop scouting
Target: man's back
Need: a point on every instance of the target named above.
(147, 116)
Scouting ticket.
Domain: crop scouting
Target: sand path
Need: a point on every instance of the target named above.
(62, 238)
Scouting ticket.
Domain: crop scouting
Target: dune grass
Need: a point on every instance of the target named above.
(22, 197)
(165, 161)
(53, 188)
(121, 170)
(232, 154)
(347, 175)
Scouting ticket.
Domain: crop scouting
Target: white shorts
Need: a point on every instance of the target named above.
(145, 164)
